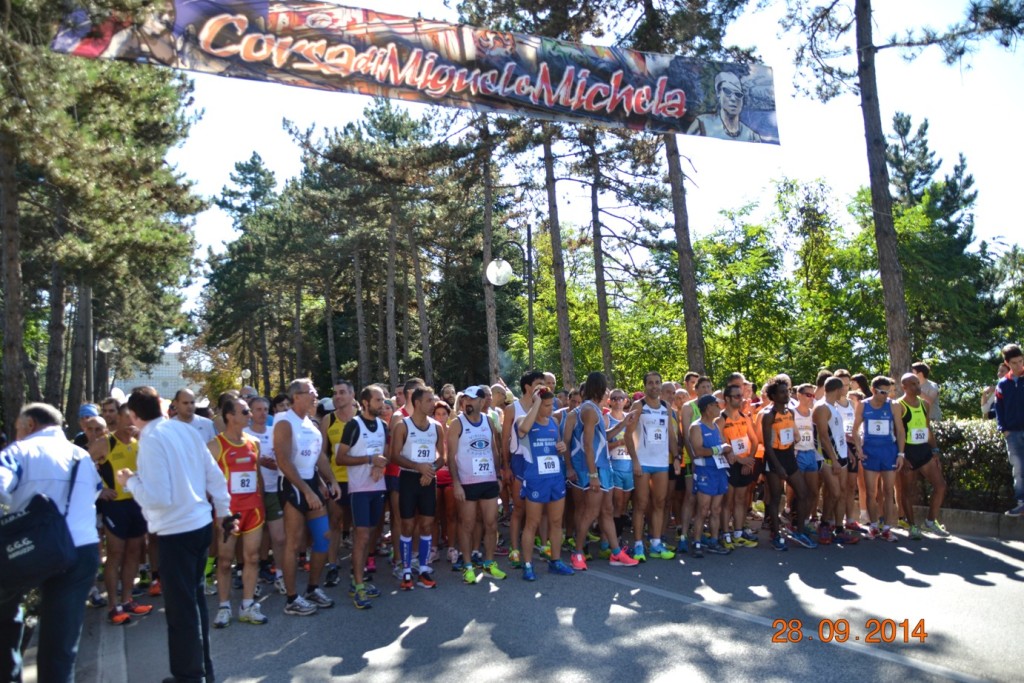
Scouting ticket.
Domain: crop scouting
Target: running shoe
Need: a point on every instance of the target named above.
(804, 540)
(453, 555)
(360, 598)
(223, 618)
(855, 527)
(211, 585)
(406, 584)
(660, 552)
(491, 568)
(300, 607)
(560, 568)
(458, 565)
(266, 574)
(137, 609)
(476, 558)
(1016, 511)
(468, 575)
(528, 573)
(638, 552)
(371, 565)
(605, 552)
(750, 535)
(935, 526)
(779, 543)
(319, 598)
(578, 563)
(697, 550)
(397, 572)
(501, 549)
(682, 548)
(95, 598)
(903, 523)
(727, 543)
(155, 589)
(515, 560)
(716, 548)
(118, 617)
(144, 576)
(545, 551)
(592, 537)
(743, 542)
(371, 590)
(915, 533)
(621, 559)
(568, 544)
(873, 533)
(279, 585)
(888, 535)
(426, 579)
(434, 554)
(824, 534)
(252, 615)
(333, 577)
(844, 537)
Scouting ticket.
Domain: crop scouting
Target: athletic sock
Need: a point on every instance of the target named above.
(405, 548)
(246, 604)
(424, 550)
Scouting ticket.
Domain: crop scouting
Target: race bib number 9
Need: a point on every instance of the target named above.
(483, 467)
(919, 435)
(243, 482)
(878, 427)
(549, 464)
(786, 437)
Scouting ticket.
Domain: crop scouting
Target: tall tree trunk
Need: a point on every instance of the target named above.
(101, 386)
(14, 318)
(558, 265)
(421, 307)
(490, 305)
(57, 330)
(332, 356)
(684, 249)
(389, 314)
(297, 332)
(364, 350)
(403, 305)
(79, 359)
(381, 351)
(595, 222)
(265, 356)
(889, 268)
(32, 381)
(89, 337)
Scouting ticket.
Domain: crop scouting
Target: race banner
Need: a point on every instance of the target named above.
(330, 47)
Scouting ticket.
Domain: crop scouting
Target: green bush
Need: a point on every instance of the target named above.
(975, 465)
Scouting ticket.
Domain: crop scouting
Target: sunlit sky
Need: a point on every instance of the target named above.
(976, 108)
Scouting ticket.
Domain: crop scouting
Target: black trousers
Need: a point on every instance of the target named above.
(182, 566)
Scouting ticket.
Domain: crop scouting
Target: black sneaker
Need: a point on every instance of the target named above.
(333, 576)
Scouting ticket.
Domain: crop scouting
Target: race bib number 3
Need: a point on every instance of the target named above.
(483, 467)
(786, 436)
(878, 427)
(243, 482)
(549, 464)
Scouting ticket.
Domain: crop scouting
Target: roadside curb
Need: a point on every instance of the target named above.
(973, 523)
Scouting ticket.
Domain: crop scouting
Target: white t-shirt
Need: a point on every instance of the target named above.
(204, 425)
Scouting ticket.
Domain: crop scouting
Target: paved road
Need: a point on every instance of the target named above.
(688, 619)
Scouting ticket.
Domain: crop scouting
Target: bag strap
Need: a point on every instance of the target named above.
(71, 487)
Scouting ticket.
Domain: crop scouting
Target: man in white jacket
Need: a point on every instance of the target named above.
(176, 474)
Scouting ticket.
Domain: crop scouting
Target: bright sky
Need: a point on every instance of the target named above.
(973, 108)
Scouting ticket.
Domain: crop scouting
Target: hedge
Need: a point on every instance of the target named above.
(975, 465)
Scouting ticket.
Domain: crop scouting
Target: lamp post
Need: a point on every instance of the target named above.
(499, 272)
(106, 346)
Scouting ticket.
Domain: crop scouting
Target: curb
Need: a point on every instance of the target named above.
(973, 523)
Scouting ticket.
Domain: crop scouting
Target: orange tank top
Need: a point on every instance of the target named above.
(783, 430)
(240, 464)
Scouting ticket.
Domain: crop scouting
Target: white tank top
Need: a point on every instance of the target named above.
(837, 429)
(475, 459)
(420, 444)
(848, 412)
(804, 430)
(652, 436)
(617, 446)
(517, 447)
(369, 443)
(266, 440)
(306, 442)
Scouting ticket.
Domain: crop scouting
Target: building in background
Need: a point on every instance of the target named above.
(166, 376)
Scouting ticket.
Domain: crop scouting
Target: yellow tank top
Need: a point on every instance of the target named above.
(334, 431)
(122, 455)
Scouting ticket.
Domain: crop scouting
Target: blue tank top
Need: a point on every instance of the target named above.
(542, 458)
(879, 435)
(712, 438)
(600, 437)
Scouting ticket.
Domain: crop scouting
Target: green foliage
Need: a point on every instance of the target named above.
(975, 465)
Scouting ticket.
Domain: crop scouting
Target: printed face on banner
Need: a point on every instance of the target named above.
(316, 45)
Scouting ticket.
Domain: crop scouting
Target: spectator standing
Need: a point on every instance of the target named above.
(1010, 419)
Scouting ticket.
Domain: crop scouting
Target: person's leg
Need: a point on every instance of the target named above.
(489, 518)
(799, 508)
(871, 483)
(933, 473)
(590, 512)
(888, 484)
(319, 546)
(555, 513)
(467, 517)
(531, 523)
(659, 493)
(61, 613)
(294, 538)
(225, 555)
(605, 520)
(183, 560)
(251, 562)
(716, 517)
(518, 515)
(703, 507)
(689, 505)
(277, 543)
(334, 514)
(771, 510)
(1015, 453)
(12, 630)
(113, 569)
(641, 501)
(907, 482)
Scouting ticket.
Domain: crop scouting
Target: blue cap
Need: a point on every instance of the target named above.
(88, 410)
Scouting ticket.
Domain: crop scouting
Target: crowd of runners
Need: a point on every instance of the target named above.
(589, 474)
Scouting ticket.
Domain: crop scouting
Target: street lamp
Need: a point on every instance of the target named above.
(499, 272)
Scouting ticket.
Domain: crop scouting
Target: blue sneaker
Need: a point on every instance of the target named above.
(528, 573)
(779, 543)
(561, 568)
(1016, 512)
(683, 547)
(804, 540)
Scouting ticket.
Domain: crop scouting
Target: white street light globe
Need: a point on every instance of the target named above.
(499, 272)
(246, 374)
(106, 345)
